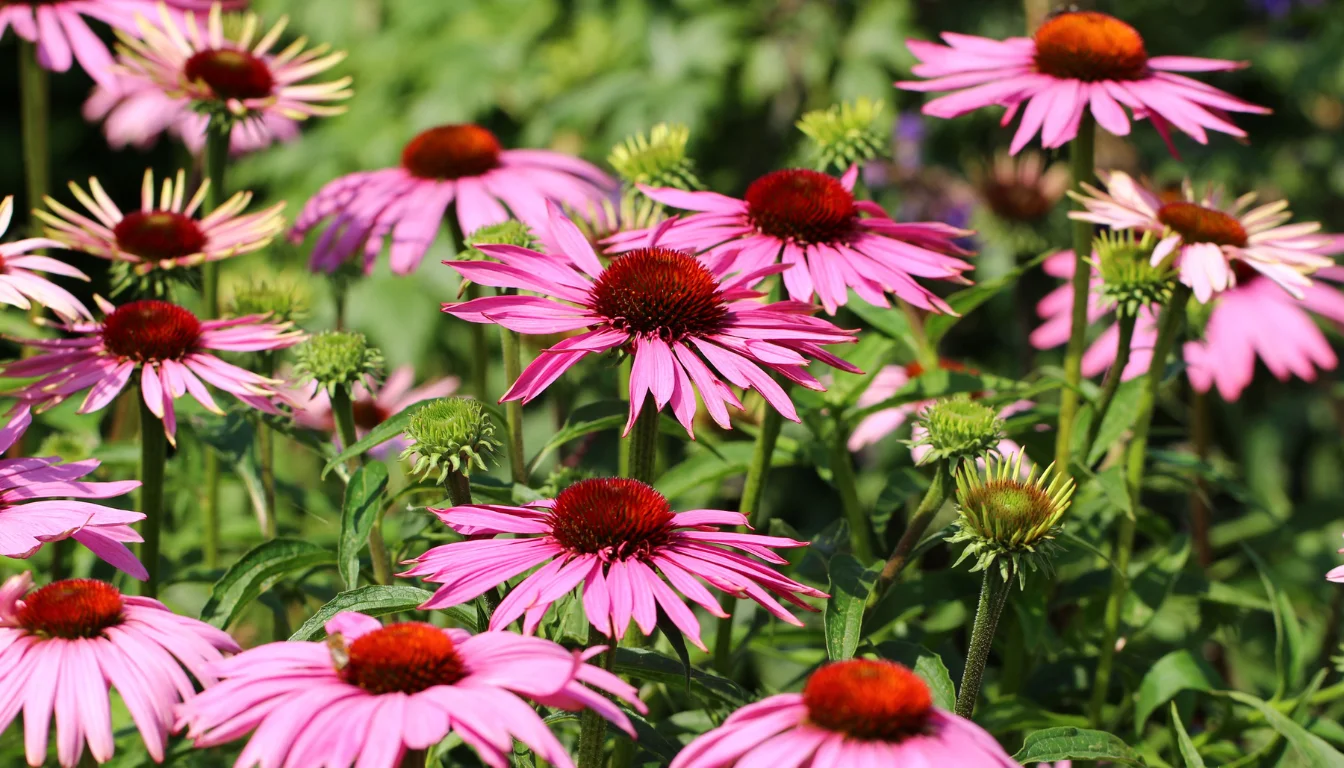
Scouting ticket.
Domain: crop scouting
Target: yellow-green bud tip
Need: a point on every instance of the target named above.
(450, 434)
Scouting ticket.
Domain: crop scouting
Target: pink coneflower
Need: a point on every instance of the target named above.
(312, 408)
(669, 310)
(21, 286)
(1076, 61)
(1336, 574)
(166, 345)
(1021, 189)
(1210, 235)
(371, 693)
(50, 515)
(136, 112)
(243, 77)
(853, 713)
(64, 646)
(166, 232)
(461, 165)
(62, 35)
(810, 221)
(619, 539)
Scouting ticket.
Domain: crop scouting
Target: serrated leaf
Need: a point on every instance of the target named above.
(375, 600)
(655, 667)
(255, 572)
(1188, 752)
(360, 509)
(393, 426)
(851, 584)
(1177, 671)
(1053, 744)
(1315, 750)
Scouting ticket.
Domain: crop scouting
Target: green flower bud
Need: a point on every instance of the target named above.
(338, 359)
(1128, 278)
(282, 302)
(958, 428)
(1010, 519)
(450, 434)
(69, 446)
(848, 133)
(658, 160)
(561, 478)
(511, 232)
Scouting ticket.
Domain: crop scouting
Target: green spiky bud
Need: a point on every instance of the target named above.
(450, 434)
(69, 446)
(561, 478)
(1128, 278)
(844, 134)
(338, 359)
(510, 232)
(656, 160)
(958, 428)
(1009, 518)
(282, 302)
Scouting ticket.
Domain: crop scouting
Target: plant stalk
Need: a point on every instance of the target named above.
(513, 410)
(35, 113)
(215, 158)
(994, 590)
(842, 471)
(1082, 164)
(414, 758)
(644, 443)
(153, 458)
(480, 353)
(343, 411)
(266, 449)
(592, 726)
(1113, 379)
(938, 492)
(1201, 434)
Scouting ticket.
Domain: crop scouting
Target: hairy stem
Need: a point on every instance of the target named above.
(153, 458)
(994, 590)
(644, 443)
(1081, 162)
(266, 449)
(939, 490)
(842, 470)
(35, 110)
(1201, 434)
(1113, 377)
(513, 410)
(592, 726)
(215, 159)
(480, 353)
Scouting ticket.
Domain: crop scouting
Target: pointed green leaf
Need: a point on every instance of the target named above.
(1177, 671)
(1312, 748)
(255, 572)
(363, 497)
(1054, 744)
(655, 667)
(851, 584)
(1188, 752)
(375, 600)
(380, 434)
(925, 663)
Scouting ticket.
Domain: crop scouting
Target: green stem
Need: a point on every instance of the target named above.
(1082, 164)
(994, 588)
(842, 471)
(513, 410)
(623, 390)
(60, 552)
(266, 449)
(459, 489)
(35, 110)
(928, 356)
(480, 353)
(592, 726)
(644, 443)
(939, 490)
(1201, 434)
(153, 457)
(343, 411)
(215, 157)
(1113, 377)
(1168, 325)
(758, 517)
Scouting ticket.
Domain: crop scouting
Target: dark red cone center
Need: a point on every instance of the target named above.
(1090, 46)
(368, 414)
(801, 206)
(404, 658)
(660, 292)
(451, 152)
(615, 517)
(231, 74)
(150, 331)
(71, 609)
(868, 699)
(1197, 224)
(159, 235)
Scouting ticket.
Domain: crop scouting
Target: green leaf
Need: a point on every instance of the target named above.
(705, 467)
(925, 663)
(375, 600)
(255, 572)
(586, 419)
(232, 437)
(851, 584)
(1311, 747)
(358, 513)
(674, 638)
(1111, 481)
(1177, 671)
(655, 667)
(1075, 744)
(1289, 654)
(1119, 418)
(1188, 752)
(967, 299)
(380, 434)
(650, 740)
(890, 322)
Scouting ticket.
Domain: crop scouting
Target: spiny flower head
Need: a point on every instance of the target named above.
(1010, 517)
(450, 434)
(656, 160)
(281, 301)
(339, 359)
(1129, 279)
(508, 232)
(959, 428)
(848, 133)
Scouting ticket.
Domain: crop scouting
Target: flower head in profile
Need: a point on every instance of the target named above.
(1210, 234)
(462, 165)
(1021, 190)
(63, 647)
(371, 693)
(657, 159)
(861, 712)
(450, 434)
(619, 541)
(168, 232)
(812, 224)
(674, 314)
(1077, 62)
(846, 134)
(21, 270)
(164, 347)
(374, 405)
(42, 500)
(231, 77)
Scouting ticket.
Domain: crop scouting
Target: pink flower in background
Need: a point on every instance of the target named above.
(1336, 574)
(37, 505)
(811, 222)
(461, 165)
(1210, 235)
(619, 539)
(675, 314)
(20, 284)
(1077, 62)
(64, 646)
(166, 345)
(372, 692)
(853, 713)
(313, 408)
(136, 112)
(166, 233)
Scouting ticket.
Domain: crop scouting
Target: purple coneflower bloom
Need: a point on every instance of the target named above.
(21, 286)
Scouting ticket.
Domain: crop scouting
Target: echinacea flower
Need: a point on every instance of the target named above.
(235, 78)
(1021, 190)
(21, 286)
(669, 310)
(1210, 234)
(618, 539)
(811, 222)
(313, 407)
(37, 505)
(462, 165)
(1077, 62)
(65, 645)
(1336, 574)
(371, 693)
(135, 112)
(166, 347)
(62, 36)
(861, 712)
(166, 232)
